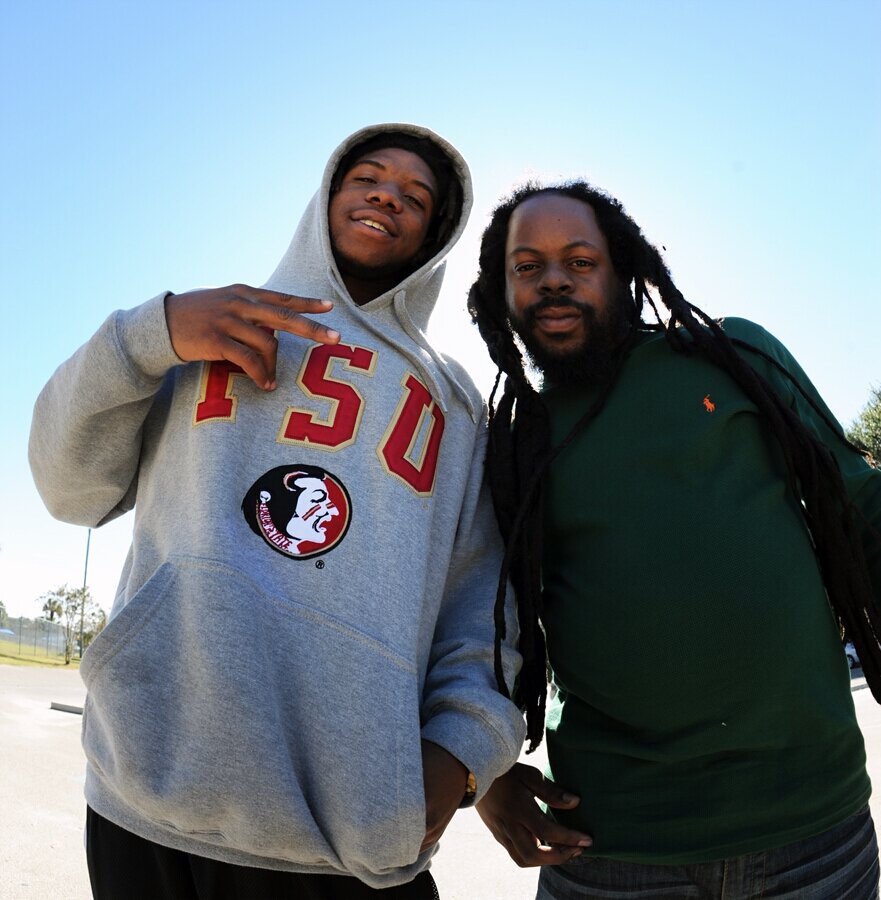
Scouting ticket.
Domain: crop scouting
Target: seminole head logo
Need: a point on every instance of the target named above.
(300, 511)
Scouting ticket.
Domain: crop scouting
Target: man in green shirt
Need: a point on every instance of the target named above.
(689, 530)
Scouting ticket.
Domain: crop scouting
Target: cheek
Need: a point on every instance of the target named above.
(611, 292)
(519, 304)
(420, 232)
(513, 301)
(333, 212)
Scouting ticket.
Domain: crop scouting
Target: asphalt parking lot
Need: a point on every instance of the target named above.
(42, 810)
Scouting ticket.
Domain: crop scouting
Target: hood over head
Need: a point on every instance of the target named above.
(308, 266)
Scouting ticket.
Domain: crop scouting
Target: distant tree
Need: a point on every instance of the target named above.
(3, 617)
(865, 431)
(77, 607)
(52, 608)
(95, 621)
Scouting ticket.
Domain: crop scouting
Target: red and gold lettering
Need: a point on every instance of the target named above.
(216, 399)
(412, 441)
(339, 428)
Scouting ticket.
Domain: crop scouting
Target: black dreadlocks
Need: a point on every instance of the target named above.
(520, 452)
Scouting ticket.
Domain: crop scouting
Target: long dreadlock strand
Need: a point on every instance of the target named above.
(518, 439)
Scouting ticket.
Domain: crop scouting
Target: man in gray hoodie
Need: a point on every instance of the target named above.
(295, 689)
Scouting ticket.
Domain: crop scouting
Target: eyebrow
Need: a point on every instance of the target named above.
(523, 248)
(378, 165)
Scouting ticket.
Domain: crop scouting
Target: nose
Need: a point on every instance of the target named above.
(555, 279)
(384, 194)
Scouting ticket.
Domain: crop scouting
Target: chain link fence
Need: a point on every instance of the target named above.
(38, 638)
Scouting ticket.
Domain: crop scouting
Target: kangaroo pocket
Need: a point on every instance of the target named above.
(257, 723)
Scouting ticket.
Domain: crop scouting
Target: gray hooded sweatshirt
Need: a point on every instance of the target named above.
(310, 585)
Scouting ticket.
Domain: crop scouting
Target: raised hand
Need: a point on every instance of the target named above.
(236, 323)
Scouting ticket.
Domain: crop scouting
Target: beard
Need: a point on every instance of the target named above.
(593, 362)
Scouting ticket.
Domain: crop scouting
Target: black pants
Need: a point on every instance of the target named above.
(123, 866)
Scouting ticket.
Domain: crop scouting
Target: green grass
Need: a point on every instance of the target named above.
(10, 656)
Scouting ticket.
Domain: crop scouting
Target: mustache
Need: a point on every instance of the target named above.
(558, 301)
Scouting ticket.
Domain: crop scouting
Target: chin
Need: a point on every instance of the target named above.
(368, 267)
(576, 364)
(560, 349)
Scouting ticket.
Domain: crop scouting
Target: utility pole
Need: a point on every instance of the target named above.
(83, 598)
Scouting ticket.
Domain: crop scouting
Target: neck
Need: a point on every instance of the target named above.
(363, 290)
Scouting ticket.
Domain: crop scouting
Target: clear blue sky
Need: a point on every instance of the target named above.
(169, 145)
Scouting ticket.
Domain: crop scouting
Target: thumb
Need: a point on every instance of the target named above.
(557, 798)
(546, 790)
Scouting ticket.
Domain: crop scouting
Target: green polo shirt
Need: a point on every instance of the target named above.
(703, 707)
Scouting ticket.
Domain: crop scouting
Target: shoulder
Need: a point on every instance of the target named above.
(746, 330)
(459, 375)
(755, 341)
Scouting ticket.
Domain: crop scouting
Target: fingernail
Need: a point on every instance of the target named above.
(585, 842)
(271, 385)
(575, 855)
(569, 798)
(332, 334)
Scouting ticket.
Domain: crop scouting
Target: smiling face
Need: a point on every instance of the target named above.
(558, 272)
(563, 296)
(379, 218)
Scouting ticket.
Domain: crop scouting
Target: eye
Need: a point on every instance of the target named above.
(364, 179)
(524, 268)
(583, 263)
(415, 201)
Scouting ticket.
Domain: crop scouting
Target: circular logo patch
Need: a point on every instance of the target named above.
(300, 511)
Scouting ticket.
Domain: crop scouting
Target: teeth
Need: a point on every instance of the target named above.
(373, 224)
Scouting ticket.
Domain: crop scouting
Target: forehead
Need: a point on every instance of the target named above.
(398, 163)
(552, 221)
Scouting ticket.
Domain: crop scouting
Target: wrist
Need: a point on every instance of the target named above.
(470, 794)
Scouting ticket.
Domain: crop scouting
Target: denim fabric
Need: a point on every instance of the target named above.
(839, 864)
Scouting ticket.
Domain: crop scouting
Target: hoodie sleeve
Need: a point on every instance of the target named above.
(462, 710)
(85, 441)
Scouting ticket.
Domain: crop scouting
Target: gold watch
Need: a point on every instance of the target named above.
(470, 791)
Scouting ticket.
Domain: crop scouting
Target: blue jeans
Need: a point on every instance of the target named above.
(839, 864)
